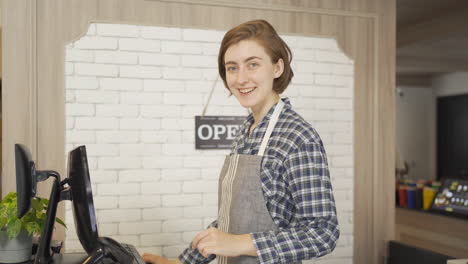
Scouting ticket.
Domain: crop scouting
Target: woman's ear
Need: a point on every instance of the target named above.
(278, 68)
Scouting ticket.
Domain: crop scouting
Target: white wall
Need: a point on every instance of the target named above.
(416, 121)
(451, 84)
(132, 94)
(415, 125)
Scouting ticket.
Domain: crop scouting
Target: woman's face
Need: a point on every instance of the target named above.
(250, 74)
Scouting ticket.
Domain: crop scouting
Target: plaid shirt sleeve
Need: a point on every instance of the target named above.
(316, 231)
(193, 256)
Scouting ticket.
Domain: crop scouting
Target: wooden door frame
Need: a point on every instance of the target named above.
(31, 91)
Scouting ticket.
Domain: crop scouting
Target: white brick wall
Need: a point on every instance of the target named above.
(131, 96)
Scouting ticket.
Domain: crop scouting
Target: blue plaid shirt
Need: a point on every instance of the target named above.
(296, 185)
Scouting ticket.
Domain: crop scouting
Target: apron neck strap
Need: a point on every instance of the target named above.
(271, 125)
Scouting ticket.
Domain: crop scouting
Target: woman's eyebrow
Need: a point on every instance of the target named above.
(246, 60)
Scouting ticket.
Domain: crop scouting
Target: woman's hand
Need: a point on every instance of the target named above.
(156, 259)
(217, 242)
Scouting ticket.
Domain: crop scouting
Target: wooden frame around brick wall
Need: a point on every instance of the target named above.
(35, 34)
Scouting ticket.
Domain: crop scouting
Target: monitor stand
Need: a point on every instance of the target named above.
(57, 194)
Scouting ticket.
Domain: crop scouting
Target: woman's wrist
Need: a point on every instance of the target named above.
(246, 241)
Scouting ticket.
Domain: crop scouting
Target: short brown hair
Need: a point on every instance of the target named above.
(265, 35)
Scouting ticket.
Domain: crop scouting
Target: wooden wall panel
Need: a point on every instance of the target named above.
(364, 29)
(19, 97)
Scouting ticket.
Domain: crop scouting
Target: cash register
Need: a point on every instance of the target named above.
(77, 188)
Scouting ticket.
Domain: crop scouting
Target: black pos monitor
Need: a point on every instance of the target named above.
(77, 187)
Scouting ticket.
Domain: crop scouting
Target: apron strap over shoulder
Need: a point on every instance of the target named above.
(271, 125)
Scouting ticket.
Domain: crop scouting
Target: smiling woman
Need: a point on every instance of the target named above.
(276, 203)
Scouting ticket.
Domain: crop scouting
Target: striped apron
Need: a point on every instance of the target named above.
(241, 204)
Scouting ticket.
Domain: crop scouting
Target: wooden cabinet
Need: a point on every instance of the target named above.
(442, 234)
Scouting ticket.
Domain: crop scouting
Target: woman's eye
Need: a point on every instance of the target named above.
(231, 68)
(253, 65)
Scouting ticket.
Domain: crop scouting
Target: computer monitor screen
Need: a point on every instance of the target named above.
(452, 198)
(82, 195)
(25, 179)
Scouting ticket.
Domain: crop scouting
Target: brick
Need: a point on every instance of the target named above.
(187, 237)
(330, 56)
(333, 80)
(332, 103)
(315, 115)
(162, 213)
(200, 212)
(162, 110)
(144, 45)
(202, 35)
(140, 149)
(342, 161)
(178, 149)
(200, 86)
(303, 78)
(117, 136)
(201, 61)
(161, 188)
(182, 225)
(118, 30)
(343, 115)
(96, 43)
(159, 59)
(181, 200)
(192, 110)
(108, 229)
(79, 110)
(118, 189)
(86, 83)
(69, 68)
(94, 123)
(161, 162)
(211, 174)
(76, 55)
(180, 47)
(140, 72)
(315, 91)
(161, 239)
(180, 174)
(291, 41)
(177, 124)
(142, 176)
(139, 228)
(210, 199)
(89, 69)
(105, 202)
(119, 163)
(161, 33)
(304, 54)
(141, 98)
(200, 187)
(163, 85)
(106, 110)
(182, 73)
(82, 137)
(317, 43)
(211, 48)
(98, 97)
(183, 98)
(69, 96)
(91, 30)
(103, 176)
(119, 215)
(314, 67)
(116, 57)
(343, 69)
(343, 138)
(139, 201)
(344, 92)
(121, 84)
(99, 150)
(203, 162)
(160, 136)
(139, 124)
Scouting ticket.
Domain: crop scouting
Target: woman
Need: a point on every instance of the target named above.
(275, 197)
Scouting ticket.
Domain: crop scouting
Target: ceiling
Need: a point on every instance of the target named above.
(432, 39)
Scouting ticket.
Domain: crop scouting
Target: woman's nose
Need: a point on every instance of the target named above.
(242, 76)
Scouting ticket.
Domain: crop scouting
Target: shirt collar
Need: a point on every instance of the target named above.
(250, 119)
